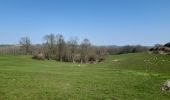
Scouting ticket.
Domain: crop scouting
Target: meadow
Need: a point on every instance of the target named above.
(136, 76)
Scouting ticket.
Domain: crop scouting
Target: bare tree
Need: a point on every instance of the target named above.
(73, 46)
(84, 50)
(50, 42)
(25, 45)
(61, 46)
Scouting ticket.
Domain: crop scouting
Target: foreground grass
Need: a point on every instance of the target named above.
(120, 77)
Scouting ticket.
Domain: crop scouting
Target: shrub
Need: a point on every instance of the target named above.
(92, 58)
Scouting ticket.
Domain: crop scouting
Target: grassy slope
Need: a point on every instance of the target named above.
(128, 77)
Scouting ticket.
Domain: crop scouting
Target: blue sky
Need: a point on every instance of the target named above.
(104, 22)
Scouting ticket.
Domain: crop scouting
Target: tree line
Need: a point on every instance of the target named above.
(55, 47)
(126, 49)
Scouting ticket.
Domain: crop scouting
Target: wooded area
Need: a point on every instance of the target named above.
(55, 47)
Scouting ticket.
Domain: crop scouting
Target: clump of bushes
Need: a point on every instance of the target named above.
(101, 59)
(92, 59)
(39, 56)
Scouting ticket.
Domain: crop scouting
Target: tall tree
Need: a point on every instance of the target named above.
(25, 45)
(73, 45)
(61, 46)
(50, 42)
(84, 50)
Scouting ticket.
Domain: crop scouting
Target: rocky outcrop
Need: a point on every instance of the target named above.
(166, 86)
(161, 50)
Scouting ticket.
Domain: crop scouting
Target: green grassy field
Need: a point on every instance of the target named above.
(120, 77)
